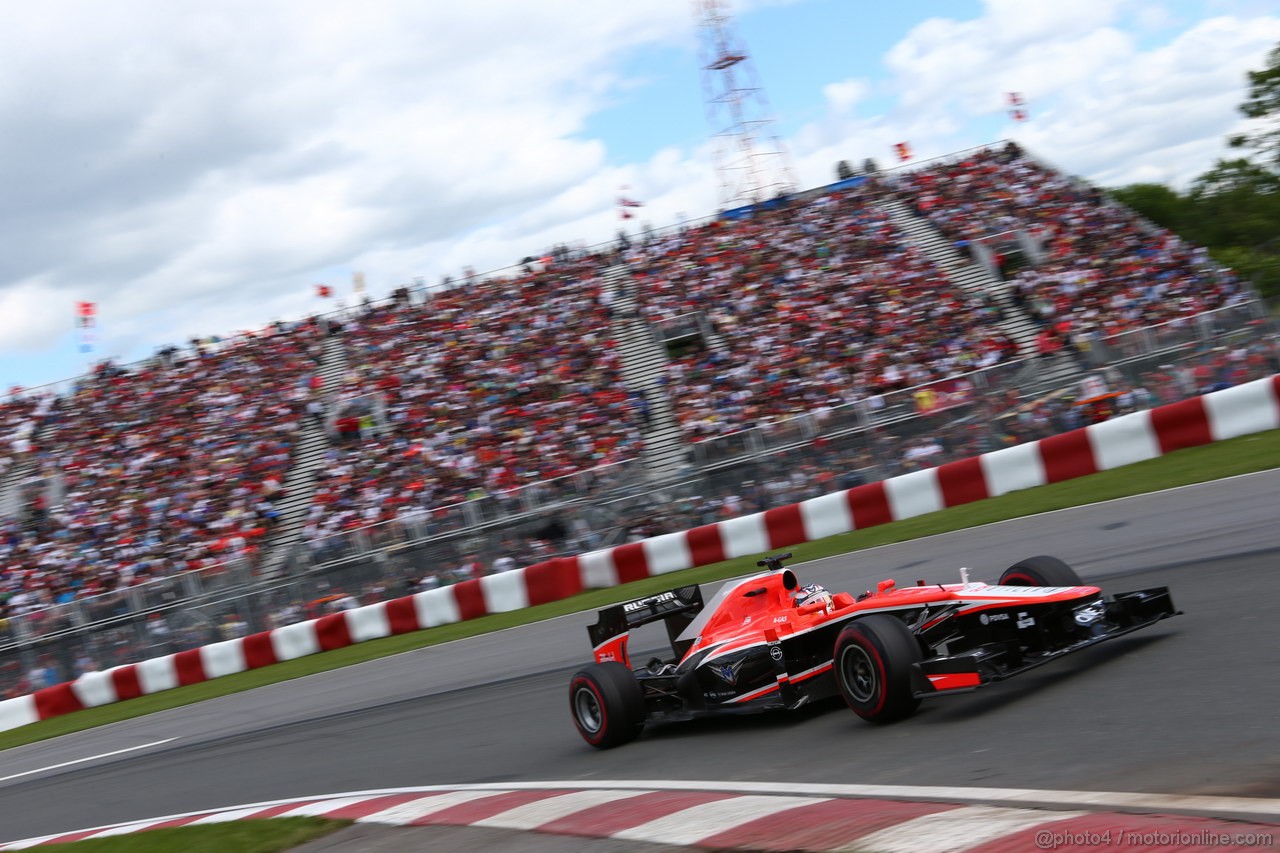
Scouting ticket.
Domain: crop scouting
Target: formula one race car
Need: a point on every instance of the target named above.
(767, 643)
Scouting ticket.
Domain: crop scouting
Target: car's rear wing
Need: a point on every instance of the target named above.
(676, 607)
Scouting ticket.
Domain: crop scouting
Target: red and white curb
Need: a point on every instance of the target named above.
(720, 816)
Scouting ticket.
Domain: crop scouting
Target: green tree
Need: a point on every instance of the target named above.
(1156, 202)
(1233, 209)
(1236, 203)
(1263, 103)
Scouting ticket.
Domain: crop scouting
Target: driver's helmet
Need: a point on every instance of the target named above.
(810, 593)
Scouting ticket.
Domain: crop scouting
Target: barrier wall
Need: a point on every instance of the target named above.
(1250, 408)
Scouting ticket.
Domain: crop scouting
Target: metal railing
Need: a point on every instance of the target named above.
(688, 325)
(141, 598)
(393, 559)
(869, 425)
(861, 425)
(417, 523)
(877, 409)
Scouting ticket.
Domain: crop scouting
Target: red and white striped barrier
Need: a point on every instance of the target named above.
(1250, 408)
(725, 819)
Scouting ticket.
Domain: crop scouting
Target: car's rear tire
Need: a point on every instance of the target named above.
(1040, 571)
(872, 663)
(607, 704)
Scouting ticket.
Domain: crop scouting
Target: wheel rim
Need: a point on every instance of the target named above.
(586, 707)
(859, 673)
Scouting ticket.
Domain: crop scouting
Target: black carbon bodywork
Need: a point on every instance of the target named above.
(961, 647)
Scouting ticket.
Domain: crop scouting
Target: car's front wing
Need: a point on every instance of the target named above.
(961, 673)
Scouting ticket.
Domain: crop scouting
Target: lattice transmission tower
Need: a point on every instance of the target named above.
(751, 161)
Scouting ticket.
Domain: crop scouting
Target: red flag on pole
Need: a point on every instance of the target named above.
(86, 322)
(1016, 104)
(625, 202)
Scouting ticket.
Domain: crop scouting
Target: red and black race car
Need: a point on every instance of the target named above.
(767, 643)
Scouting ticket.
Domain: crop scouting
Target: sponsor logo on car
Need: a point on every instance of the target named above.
(1091, 613)
(728, 672)
(642, 603)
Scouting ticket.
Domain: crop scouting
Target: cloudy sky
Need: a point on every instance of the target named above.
(195, 168)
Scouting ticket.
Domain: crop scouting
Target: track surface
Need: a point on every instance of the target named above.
(1185, 707)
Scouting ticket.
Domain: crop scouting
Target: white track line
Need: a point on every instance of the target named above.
(88, 758)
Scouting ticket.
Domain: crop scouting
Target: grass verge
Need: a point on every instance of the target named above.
(1244, 455)
(244, 836)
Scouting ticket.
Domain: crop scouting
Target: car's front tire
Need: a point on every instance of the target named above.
(607, 704)
(872, 663)
(1040, 571)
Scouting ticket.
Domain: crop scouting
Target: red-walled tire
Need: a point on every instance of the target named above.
(607, 704)
(872, 664)
(1040, 571)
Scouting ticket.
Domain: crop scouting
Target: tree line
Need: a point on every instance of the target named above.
(1233, 210)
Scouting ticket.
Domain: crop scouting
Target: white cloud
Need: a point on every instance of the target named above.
(24, 318)
(192, 171)
(1014, 45)
(843, 95)
(1100, 105)
(195, 172)
(1163, 112)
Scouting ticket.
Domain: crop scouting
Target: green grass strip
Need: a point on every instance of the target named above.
(242, 836)
(1243, 455)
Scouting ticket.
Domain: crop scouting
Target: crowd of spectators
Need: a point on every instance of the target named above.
(19, 417)
(1102, 270)
(823, 465)
(820, 302)
(815, 303)
(173, 465)
(482, 389)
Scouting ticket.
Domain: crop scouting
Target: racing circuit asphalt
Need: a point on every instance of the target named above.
(1188, 706)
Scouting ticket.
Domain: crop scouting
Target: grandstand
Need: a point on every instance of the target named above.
(814, 305)
(882, 324)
